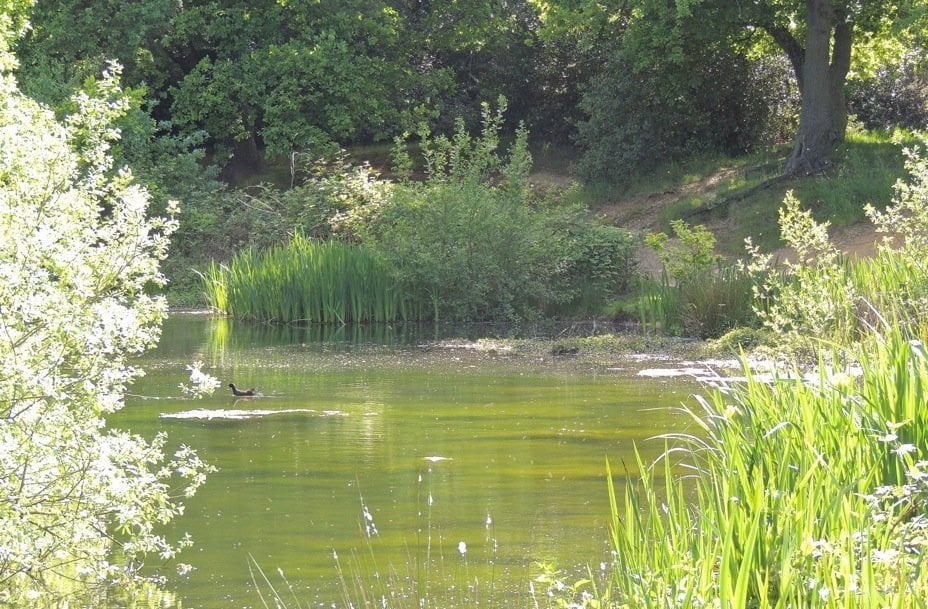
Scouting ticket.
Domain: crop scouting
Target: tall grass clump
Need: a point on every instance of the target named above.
(306, 281)
(697, 294)
(800, 493)
(802, 490)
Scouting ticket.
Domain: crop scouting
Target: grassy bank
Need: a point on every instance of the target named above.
(739, 197)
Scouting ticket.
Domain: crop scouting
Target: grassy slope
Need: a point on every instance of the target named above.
(737, 198)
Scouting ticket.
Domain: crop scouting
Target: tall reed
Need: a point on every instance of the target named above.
(706, 305)
(796, 494)
(308, 281)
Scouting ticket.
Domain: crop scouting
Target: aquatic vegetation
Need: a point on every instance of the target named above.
(801, 492)
(708, 303)
(797, 495)
(308, 281)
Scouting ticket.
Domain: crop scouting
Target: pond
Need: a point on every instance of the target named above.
(372, 464)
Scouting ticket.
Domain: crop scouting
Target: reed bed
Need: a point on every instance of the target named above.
(842, 306)
(709, 304)
(790, 493)
(307, 281)
(896, 287)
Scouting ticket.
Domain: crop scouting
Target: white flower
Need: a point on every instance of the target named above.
(462, 548)
(74, 314)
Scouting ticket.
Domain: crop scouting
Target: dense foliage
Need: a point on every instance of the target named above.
(698, 293)
(708, 98)
(691, 41)
(471, 239)
(79, 504)
(803, 490)
(821, 296)
(895, 95)
(264, 80)
(289, 76)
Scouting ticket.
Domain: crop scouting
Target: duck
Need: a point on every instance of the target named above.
(241, 393)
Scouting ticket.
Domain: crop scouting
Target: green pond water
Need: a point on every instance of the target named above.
(370, 430)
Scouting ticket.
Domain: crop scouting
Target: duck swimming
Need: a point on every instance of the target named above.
(241, 393)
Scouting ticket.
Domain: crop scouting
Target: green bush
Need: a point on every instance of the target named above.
(639, 117)
(474, 241)
(821, 296)
(894, 96)
(472, 238)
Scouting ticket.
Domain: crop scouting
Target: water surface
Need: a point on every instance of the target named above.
(388, 454)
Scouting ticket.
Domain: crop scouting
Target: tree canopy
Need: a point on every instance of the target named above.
(273, 77)
(817, 37)
(287, 76)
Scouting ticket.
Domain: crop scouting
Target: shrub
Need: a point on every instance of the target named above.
(598, 263)
(811, 297)
(710, 303)
(820, 296)
(474, 241)
(471, 239)
(689, 256)
(79, 503)
(895, 96)
(640, 116)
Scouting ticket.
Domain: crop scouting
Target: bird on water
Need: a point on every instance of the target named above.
(241, 393)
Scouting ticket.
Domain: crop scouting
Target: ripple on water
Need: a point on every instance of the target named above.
(238, 414)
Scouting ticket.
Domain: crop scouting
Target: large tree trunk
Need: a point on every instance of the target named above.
(827, 59)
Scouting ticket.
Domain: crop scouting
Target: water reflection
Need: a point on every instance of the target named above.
(361, 426)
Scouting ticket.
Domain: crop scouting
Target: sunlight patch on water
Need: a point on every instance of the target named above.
(704, 371)
(237, 414)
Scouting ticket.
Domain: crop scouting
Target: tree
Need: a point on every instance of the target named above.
(817, 36)
(252, 74)
(821, 69)
(278, 77)
(77, 259)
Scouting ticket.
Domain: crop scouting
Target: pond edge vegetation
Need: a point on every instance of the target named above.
(807, 488)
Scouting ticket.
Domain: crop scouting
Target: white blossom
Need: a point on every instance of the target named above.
(77, 254)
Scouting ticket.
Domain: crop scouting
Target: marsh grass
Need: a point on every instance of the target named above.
(308, 282)
(785, 503)
(706, 305)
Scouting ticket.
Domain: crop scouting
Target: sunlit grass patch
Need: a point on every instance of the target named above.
(310, 282)
(799, 494)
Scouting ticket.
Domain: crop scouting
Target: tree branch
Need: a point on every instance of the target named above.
(794, 51)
